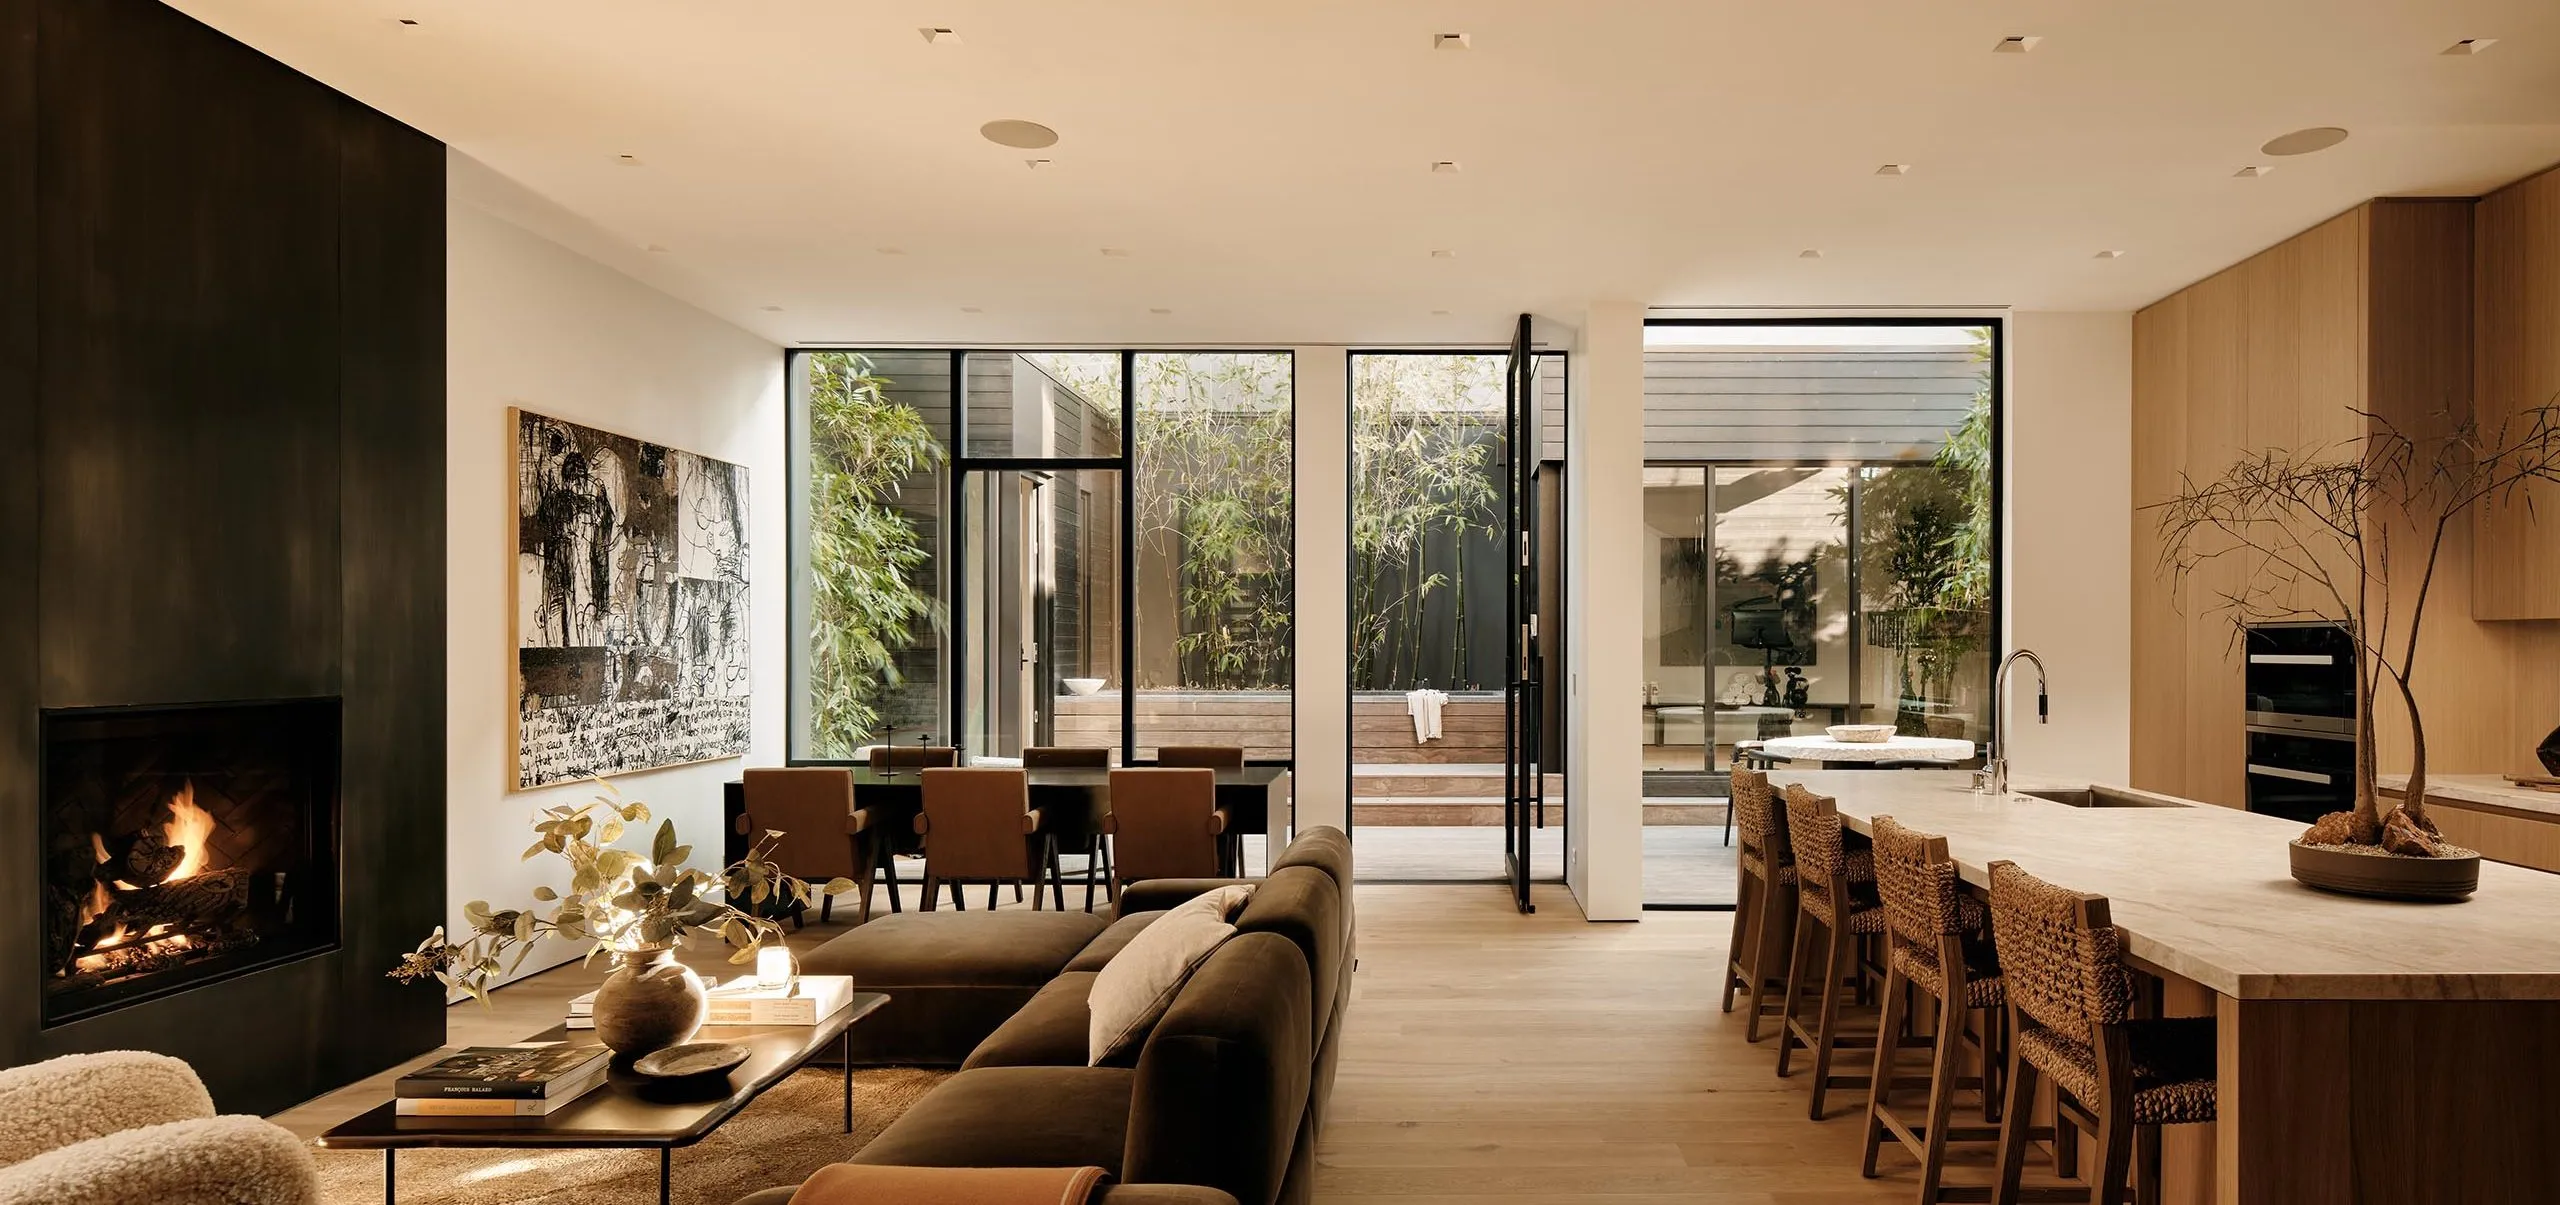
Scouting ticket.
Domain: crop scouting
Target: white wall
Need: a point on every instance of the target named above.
(534, 324)
(2070, 529)
(1605, 583)
(1322, 778)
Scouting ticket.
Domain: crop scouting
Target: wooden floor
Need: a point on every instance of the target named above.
(1491, 1056)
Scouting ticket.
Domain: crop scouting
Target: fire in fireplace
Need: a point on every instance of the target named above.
(184, 844)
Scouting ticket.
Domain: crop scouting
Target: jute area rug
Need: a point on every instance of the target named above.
(795, 1128)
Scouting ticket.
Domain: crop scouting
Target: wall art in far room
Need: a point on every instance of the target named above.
(630, 604)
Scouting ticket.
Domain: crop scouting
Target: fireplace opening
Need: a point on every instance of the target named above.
(183, 845)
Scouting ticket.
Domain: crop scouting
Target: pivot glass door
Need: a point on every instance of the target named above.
(1524, 695)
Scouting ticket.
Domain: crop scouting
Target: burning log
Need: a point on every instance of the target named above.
(198, 905)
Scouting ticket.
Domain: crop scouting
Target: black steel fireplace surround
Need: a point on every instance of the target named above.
(222, 557)
(184, 844)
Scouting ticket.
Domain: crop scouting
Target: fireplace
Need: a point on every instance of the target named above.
(184, 845)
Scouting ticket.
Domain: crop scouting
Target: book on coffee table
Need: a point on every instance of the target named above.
(563, 1093)
(502, 1080)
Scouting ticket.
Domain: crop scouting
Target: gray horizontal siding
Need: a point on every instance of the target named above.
(1800, 403)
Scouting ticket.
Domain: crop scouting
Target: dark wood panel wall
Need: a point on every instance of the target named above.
(222, 452)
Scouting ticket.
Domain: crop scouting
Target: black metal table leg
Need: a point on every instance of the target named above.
(391, 1173)
(666, 1172)
(848, 1080)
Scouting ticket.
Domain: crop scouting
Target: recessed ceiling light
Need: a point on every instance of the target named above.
(2110, 254)
(1894, 169)
(1115, 253)
(1451, 41)
(890, 250)
(1021, 135)
(2303, 142)
(940, 35)
(1446, 167)
(1809, 253)
(1439, 313)
(1035, 164)
(2470, 46)
(1157, 309)
(973, 309)
(2254, 170)
(1444, 253)
(627, 160)
(412, 23)
(773, 309)
(2017, 44)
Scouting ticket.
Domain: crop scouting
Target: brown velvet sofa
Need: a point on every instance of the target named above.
(1228, 1090)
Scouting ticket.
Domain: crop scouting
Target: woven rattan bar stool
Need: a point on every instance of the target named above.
(2070, 1000)
(1836, 893)
(1765, 891)
(1938, 945)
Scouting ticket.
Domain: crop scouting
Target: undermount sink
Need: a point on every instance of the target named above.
(2099, 797)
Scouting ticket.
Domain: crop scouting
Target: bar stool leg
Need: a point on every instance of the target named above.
(1764, 928)
(1880, 1086)
(1801, 953)
(1943, 1071)
(1737, 958)
(1826, 1037)
(2017, 1107)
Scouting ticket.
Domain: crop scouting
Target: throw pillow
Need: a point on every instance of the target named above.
(1140, 982)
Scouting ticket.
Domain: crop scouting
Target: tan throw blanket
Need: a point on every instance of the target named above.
(856, 1184)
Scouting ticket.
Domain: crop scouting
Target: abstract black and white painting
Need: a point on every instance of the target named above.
(630, 604)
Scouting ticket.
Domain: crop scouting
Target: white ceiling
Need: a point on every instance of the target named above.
(1267, 165)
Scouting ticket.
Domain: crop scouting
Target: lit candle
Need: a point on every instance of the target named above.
(773, 966)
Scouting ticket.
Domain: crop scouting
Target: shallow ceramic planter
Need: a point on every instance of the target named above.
(650, 1002)
(2385, 876)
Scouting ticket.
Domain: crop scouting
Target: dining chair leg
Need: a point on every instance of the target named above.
(889, 862)
(2017, 1108)
(1110, 876)
(1092, 862)
(932, 890)
(1880, 1085)
(826, 909)
(991, 894)
(1800, 953)
(1057, 877)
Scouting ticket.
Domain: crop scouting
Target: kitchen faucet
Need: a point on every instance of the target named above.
(1993, 777)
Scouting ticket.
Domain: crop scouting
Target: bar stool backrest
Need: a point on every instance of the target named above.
(1918, 882)
(2060, 955)
(1813, 829)
(1762, 828)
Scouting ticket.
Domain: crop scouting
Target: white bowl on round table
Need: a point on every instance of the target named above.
(1860, 734)
(1082, 686)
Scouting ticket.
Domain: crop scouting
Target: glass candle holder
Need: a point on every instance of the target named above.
(773, 966)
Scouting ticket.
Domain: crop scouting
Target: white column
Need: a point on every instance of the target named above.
(1323, 776)
(2067, 571)
(1604, 587)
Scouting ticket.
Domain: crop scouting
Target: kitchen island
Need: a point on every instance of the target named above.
(2371, 1051)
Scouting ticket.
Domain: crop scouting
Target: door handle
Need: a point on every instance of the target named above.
(2293, 775)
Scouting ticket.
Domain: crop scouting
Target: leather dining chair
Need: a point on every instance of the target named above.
(1167, 824)
(888, 841)
(979, 827)
(1075, 830)
(824, 835)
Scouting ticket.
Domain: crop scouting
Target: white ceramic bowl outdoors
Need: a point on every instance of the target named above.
(1082, 686)
(1860, 734)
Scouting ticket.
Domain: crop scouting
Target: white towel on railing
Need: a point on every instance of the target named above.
(1425, 707)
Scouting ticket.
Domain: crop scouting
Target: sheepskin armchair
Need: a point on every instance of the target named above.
(126, 1127)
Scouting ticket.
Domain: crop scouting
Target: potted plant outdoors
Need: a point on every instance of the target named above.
(637, 909)
(2322, 535)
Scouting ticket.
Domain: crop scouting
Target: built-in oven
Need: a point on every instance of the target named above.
(2301, 741)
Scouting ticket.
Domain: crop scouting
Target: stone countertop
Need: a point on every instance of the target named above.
(2205, 892)
(2489, 790)
(1895, 748)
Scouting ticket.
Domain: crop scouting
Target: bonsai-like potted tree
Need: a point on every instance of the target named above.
(2354, 534)
(636, 907)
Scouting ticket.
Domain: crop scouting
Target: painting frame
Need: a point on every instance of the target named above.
(629, 604)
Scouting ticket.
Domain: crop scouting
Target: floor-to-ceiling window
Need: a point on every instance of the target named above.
(1820, 512)
(988, 547)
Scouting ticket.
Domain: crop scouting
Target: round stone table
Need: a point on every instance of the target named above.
(1844, 754)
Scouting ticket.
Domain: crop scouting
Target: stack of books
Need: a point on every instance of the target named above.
(503, 1081)
(806, 1000)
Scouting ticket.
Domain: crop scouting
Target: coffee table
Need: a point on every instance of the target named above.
(630, 1109)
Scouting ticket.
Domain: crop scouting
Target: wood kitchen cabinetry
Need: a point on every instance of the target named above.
(2516, 308)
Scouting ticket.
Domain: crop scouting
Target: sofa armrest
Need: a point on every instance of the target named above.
(1156, 895)
(59, 1102)
(205, 1161)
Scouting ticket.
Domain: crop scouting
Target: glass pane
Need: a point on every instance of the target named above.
(1044, 404)
(869, 486)
(1040, 573)
(1781, 652)
(1216, 531)
(1678, 623)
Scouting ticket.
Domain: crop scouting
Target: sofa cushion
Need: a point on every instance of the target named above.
(1221, 1090)
(1324, 847)
(1114, 939)
(1013, 1117)
(952, 977)
(1303, 904)
(1135, 988)
(1048, 1032)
